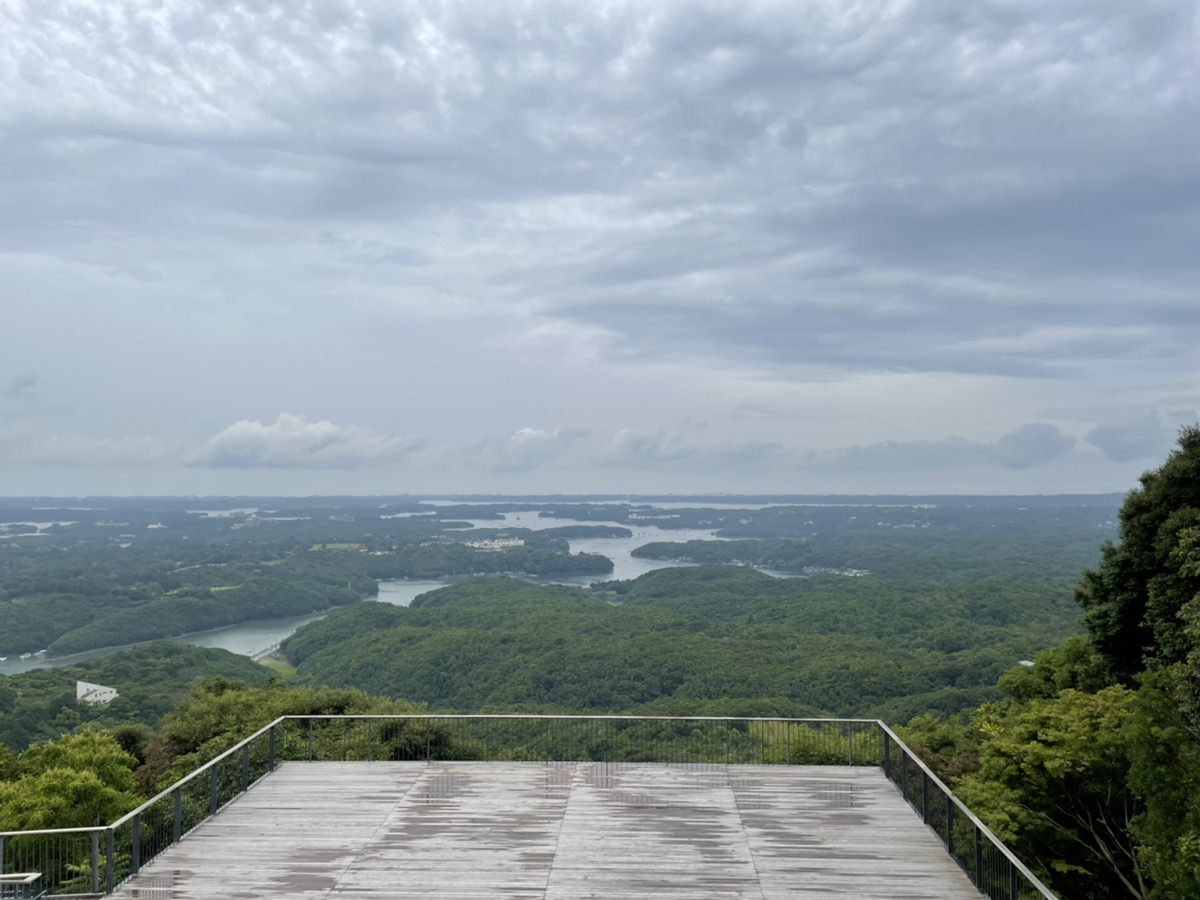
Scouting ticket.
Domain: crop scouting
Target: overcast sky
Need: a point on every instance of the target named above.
(381, 247)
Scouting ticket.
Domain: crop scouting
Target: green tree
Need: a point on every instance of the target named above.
(1053, 783)
(61, 798)
(1165, 773)
(89, 751)
(1133, 602)
(80, 780)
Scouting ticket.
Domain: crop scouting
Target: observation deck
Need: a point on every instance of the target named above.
(552, 808)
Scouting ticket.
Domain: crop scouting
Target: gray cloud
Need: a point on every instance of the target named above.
(468, 216)
(291, 441)
(1142, 439)
(527, 448)
(31, 446)
(20, 388)
(1030, 445)
(631, 448)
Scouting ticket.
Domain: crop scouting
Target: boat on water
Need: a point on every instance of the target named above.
(26, 655)
(3, 658)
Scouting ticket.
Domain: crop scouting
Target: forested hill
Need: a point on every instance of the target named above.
(1090, 766)
(75, 586)
(40, 705)
(679, 638)
(1013, 555)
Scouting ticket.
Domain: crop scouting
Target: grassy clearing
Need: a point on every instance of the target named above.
(280, 668)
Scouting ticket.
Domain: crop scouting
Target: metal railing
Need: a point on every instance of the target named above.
(21, 886)
(991, 866)
(93, 861)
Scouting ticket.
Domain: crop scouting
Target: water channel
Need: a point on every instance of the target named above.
(248, 638)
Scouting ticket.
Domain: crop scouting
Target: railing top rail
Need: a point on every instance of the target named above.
(576, 717)
(216, 760)
(34, 832)
(987, 832)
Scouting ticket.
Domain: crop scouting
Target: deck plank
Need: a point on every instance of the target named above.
(560, 831)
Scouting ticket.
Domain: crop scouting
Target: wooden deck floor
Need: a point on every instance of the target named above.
(561, 831)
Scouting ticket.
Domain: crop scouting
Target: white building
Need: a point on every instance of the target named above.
(500, 543)
(87, 692)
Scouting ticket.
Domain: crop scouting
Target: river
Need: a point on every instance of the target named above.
(248, 638)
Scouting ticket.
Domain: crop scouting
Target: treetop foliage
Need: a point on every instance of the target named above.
(1139, 600)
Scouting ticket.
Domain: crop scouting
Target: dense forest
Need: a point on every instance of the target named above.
(40, 705)
(1090, 765)
(91, 584)
(675, 638)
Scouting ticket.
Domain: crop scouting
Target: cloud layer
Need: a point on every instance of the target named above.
(550, 239)
(292, 442)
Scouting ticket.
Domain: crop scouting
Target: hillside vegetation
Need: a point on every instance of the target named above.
(685, 636)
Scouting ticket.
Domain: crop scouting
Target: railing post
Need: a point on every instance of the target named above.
(177, 819)
(978, 857)
(788, 732)
(925, 796)
(1015, 883)
(245, 765)
(212, 790)
(428, 740)
(109, 857)
(887, 753)
(850, 740)
(271, 749)
(368, 740)
(136, 860)
(95, 860)
(904, 775)
(950, 825)
(310, 730)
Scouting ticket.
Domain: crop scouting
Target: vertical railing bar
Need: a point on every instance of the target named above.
(108, 861)
(924, 797)
(950, 825)
(245, 766)
(368, 740)
(271, 750)
(978, 856)
(310, 740)
(177, 817)
(136, 849)
(212, 791)
(95, 861)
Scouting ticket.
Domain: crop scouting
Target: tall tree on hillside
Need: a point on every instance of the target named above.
(1134, 601)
